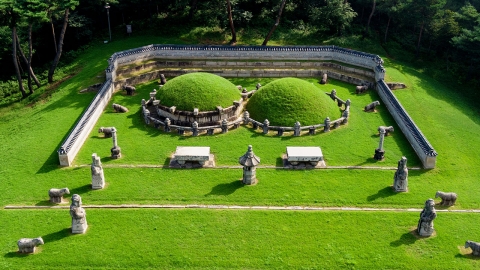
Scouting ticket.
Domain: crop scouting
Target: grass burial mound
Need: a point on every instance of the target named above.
(287, 100)
(200, 90)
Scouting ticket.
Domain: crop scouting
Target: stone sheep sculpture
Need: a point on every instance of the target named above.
(107, 131)
(360, 89)
(448, 198)
(130, 89)
(324, 78)
(27, 245)
(56, 194)
(475, 246)
(119, 108)
(371, 106)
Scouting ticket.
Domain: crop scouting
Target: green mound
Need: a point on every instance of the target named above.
(204, 91)
(285, 101)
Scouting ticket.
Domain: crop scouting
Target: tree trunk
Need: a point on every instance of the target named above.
(386, 30)
(232, 27)
(59, 47)
(53, 34)
(29, 66)
(277, 22)
(419, 40)
(15, 62)
(370, 17)
(29, 62)
(193, 8)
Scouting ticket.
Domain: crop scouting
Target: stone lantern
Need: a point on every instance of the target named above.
(249, 161)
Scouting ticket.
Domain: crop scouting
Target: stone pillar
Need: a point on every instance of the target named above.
(210, 131)
(296, 129)
(116, 151)
(78, 214)
(258, 86)
(181, 131)
(326, 128)
(195, 128)
(379, 152)
(167, 125)
(311, 130)
(98, 178)
(246, 118)
(400, 179)
(146, 115)
(224, 126)
(254, 125)
(280, 131)
(249, 161)
(265, 126)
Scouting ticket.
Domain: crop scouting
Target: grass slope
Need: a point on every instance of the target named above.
(200, 90)
(287, 100)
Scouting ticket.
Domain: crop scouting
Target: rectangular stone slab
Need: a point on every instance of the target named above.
(307, 154)
(192, 153)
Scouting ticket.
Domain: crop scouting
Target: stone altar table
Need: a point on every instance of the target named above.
(311, 155)
(200, 154)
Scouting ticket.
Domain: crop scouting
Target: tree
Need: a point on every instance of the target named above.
(230, 20)
(67, 5)
(370, 18)
(277, 22)
(334, 14)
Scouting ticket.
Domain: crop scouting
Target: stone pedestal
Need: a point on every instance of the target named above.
(379, 154)
(116, 152)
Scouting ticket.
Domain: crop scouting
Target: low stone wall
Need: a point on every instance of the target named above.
(70, 147)
(419, 142)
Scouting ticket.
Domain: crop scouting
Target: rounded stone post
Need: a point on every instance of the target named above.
(265, 126)
(224, 126)
(246, 118)
(167, 125)
(195, 128)
(296, 129)
(326, 128)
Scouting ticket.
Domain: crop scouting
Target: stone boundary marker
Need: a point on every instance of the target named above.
(237, 207)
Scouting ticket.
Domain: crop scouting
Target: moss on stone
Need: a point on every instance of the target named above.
(200, 90)
(287, 100)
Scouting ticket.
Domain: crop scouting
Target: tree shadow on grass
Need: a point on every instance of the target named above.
(226, 188)
(406, 239)
(55, 236)
(382, 193)
(80, 190)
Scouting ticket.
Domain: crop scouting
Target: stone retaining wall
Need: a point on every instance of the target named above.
(70, 147)
(419, 142)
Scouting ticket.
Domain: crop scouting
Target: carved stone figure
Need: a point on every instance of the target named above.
(333, 94)
(324, 79)
(360, 89)
(163, 80)
(119, 108)
(107, 131)
(400, 179)
(224, 126)
(79, 221)
(167, 125)
(249, 161)
(448, 198)
(296, 129)
(116, 150)
(425, 223)
(475, 246)
(98, 179)
(130, 89)
(258, 86)
(56, 194)
(246, 117)
(28, 245)
(371, 106)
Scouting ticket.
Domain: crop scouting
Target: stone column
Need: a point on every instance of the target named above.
(379, 152)
(224, 126)
(265, 126)
(246, 118)
(326, 128)
(195, 128)
(296, 129)
(167, 125)
(116, 151)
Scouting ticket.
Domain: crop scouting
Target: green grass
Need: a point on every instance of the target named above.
(200, 90)
(287, 100)
(31, 132)
(206, 239)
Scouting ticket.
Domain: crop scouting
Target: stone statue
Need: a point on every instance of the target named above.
(56, 194)
(265, 126)
(400, 179)
(224, 126)
(296, 129)
(115, 150)
(195, 128)
(326, 128)
(79, 221)
(324, 79)
(98, 179)
(475, 246)
(130, 89)
(163, 80)
(425, 223)
(258, 86)
(28, 245)
(448, 198)
(119, 108)
(371, 106)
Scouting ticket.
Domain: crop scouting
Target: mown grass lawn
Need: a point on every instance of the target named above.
(200, 238)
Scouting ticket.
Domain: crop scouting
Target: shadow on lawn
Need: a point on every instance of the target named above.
(406, 239)
(80, 190)
(382, 193)
(226, 189)
(55, 236)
